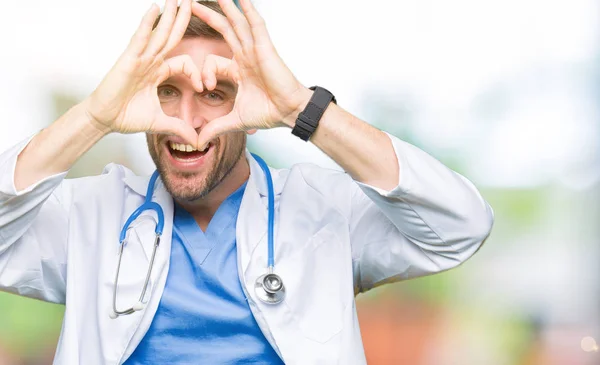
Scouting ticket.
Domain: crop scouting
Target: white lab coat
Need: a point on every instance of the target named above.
(334, 238)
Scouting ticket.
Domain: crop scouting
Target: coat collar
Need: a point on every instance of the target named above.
(259, 180)
(139, 184)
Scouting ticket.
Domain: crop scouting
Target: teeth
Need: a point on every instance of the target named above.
(182, 147)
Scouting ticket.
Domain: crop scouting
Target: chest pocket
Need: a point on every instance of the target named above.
(318, 284)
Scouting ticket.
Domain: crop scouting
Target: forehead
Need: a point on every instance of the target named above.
(198, 48)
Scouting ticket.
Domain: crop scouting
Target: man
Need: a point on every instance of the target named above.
(196, 87)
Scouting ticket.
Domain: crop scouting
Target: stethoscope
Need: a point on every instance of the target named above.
(268, 287)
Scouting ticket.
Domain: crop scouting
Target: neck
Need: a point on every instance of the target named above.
(205, 208)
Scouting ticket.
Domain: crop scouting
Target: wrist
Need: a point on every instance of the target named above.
(85, 108)
(309, 118)
(302, 98)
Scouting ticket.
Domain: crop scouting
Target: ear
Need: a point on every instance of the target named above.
(251, 131)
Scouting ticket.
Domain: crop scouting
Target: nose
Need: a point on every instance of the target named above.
(190, 112)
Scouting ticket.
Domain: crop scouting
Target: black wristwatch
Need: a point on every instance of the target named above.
(308, 120)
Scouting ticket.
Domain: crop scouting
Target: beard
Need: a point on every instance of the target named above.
(191, 186)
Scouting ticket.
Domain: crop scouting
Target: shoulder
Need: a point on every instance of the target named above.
(320, 178)
(316, 183)
(113, 177)
(110, 172)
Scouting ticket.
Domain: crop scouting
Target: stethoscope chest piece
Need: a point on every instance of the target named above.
(269, 288)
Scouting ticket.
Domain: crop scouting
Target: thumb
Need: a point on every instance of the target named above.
(216, 127)
(175, 127)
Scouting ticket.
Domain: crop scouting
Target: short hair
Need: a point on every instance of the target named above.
(197, 26)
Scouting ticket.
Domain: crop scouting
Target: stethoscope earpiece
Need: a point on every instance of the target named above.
(138, 306)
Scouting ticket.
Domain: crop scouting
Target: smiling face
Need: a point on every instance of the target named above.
(191, 175)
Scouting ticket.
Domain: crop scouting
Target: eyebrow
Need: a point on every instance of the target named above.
(226, 84)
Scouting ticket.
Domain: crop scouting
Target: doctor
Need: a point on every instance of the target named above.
(184, 281)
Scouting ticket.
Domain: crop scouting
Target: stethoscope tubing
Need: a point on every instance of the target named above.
(271, 211)
(265, 294)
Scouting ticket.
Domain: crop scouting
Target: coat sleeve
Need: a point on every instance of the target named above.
(33, 233)
(434, 220)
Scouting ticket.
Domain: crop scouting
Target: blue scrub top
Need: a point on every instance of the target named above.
(203, 316)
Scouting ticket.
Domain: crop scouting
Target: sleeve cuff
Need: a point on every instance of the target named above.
(8, 164)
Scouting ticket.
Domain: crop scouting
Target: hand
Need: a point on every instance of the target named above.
(268, 93)
(126, 101)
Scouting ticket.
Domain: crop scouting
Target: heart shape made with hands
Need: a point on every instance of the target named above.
(268, 94)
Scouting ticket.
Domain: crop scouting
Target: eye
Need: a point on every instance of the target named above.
(213, 96)
(166, 92)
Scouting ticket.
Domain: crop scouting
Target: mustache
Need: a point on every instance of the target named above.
(162, 139)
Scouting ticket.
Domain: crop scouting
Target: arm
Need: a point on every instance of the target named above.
(55, 149)
(124, 102)
(270, 96)
(432, 221)
(364, 152)
(35, 200)
(32, 250)
(411, 215)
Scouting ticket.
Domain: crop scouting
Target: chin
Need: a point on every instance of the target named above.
(184, 185)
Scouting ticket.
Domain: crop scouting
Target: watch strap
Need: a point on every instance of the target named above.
(308, 120)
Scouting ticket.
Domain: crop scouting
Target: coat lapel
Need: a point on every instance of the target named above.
(145, 230)
(146, 235)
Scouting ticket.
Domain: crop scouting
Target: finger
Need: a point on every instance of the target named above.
(216, 66)
(217, 127)
(163, 29)
(140, 38)
(181, 65)
(257, 24)
(181, 23)
(219, 23)
(239, 23)
(175, 127)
